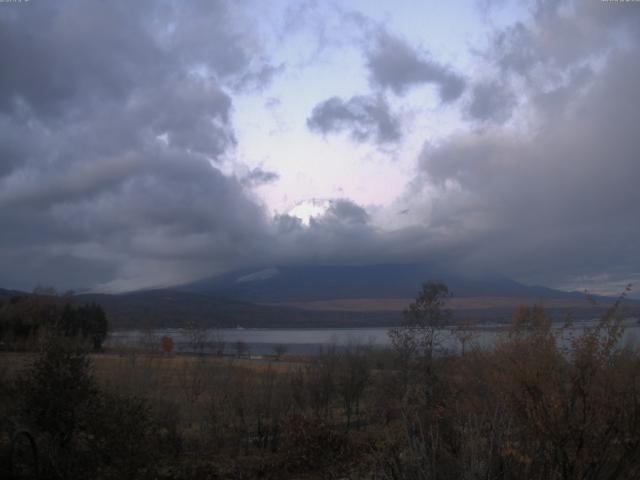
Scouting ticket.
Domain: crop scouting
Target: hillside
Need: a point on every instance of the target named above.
(315, 283)
(326, 296)
(174, 308)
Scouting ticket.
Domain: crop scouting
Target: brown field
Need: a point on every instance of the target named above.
(170, 379)
(357, 413)
(399, 304)
(410, 412)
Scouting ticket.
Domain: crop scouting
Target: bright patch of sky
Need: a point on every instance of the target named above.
(321, 60)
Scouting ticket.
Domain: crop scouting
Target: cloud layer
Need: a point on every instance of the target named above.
(113, 118)
(118, 166)
(558, 199)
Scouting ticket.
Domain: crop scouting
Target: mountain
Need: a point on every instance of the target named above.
(331, 296)
(328, 296)
(296, 284)
(165, 308)
(7, 294)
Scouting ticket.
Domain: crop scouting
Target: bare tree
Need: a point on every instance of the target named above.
(198, 337)
(465, 333)
(321, 382)
(166, 343)
(353, 376)
(420, 333)
(240, 348)
(218, 343)
(280, 349)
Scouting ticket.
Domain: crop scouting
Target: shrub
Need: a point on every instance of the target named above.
(311, 444)
(88, 433)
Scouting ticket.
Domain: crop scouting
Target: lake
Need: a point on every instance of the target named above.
(306, 341)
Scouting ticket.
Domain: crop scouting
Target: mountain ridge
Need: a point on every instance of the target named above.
(314, 283)
(326, 296)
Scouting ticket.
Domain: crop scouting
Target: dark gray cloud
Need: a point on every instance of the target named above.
(109, 174)
(555, 100)
(563, 34)
(258, 78)
(345, 210)
(364, 117)
(546, 59)
(394, 64)
(515, 49)
(345, 234)
(552, 202)
(258, 176)
(491, 101)
(113, 116)
(558, 202)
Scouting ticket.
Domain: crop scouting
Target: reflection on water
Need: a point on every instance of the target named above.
(261, 341)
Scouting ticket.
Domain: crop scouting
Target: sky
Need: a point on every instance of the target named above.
(151, 143)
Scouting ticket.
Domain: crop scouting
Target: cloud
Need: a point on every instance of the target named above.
(555, 201)
(112, 168)
(560, 35)
(346, 234)
(258, 176)
(260, 78)
(114, 117)
(364, 117)
(491, 102)
(393, 64)
(116, 128)
(347, 211)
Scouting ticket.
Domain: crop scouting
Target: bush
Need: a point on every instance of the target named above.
(310, 444)
(541, 404)
(88, 433)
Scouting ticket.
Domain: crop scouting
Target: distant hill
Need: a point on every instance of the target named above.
(330, 296)
(314, 283)
(7, 294)
(327, 296)
(174, 308)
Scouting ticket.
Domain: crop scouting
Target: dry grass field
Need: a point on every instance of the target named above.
(184, 380)
(356, 413)
(463, 303)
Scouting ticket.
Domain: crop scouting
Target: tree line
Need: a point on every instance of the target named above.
(26, 318)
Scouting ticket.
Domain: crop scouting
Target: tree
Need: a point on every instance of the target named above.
(418, 334)
(465, 333)
(321, 381)
(218, 343)
(166, 343)
(53, 395)
(280, 349)
(88, 432)
(352, 378)
(241, 348)
(198, 337)
(25, 318)
(94, 324)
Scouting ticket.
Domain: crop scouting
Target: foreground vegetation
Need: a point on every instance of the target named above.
(544, 403)
(27, 318)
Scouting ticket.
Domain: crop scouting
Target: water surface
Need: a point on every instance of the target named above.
(306, 341)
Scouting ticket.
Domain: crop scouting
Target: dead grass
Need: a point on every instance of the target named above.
(166, 379)
(399, 304)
